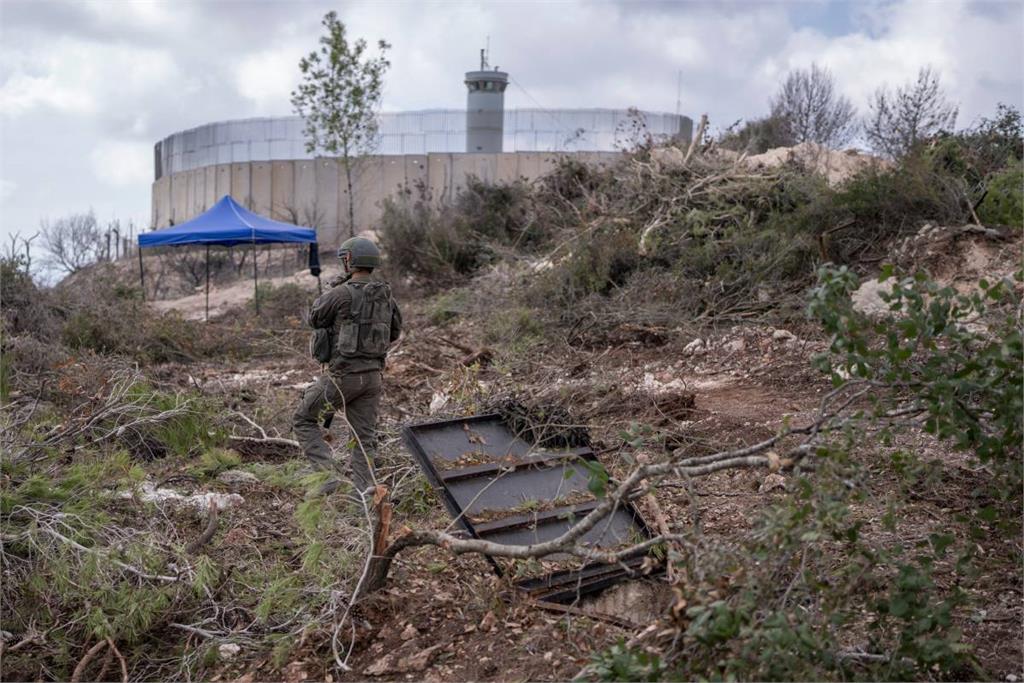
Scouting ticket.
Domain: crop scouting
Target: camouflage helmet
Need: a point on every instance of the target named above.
(361, 252)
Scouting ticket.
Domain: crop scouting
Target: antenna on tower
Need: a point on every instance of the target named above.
(487, 64)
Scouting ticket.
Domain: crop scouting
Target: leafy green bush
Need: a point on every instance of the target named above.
(877, 205)
(957, 354)
(447, 306)
(513, 326)
(619, 663)
(1004, 201)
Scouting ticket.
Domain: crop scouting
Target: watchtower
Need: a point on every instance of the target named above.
(485, 107)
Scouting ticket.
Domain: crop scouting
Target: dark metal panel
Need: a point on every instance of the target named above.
(520, 489)
(501, 488)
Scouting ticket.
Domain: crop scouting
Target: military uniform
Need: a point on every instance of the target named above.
(364, 320)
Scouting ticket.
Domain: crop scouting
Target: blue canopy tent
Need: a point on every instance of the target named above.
(227, 224)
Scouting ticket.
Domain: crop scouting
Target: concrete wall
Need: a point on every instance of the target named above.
(315, 191)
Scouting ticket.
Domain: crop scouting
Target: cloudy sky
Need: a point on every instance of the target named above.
(86, 88)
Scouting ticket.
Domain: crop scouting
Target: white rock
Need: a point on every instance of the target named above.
(868, 297)
(694, 348)
(198, 502)
(772, 482)
(783, 335)
(237, 478)
(736, 345)
(650, 384)
(438, 401)
(228, 650)
(669, 157)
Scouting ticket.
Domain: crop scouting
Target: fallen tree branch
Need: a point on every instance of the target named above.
(120, 658)
(205, 537)
(621, 622)
(457, 345)
(697, 138)
(272, 440)
(76, 675)
(127, 567)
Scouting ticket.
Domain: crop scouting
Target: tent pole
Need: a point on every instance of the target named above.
(207, 283)
(142, 276)
(255, 280)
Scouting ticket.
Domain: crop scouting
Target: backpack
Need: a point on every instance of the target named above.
(321, 344)
(366, 333)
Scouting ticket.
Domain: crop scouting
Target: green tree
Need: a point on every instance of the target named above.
(339, 97)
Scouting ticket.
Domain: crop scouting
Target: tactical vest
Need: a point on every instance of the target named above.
(366, 333)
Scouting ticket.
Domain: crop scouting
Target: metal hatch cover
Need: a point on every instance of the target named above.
(500, 488)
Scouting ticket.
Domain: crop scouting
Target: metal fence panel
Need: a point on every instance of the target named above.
(415, 132)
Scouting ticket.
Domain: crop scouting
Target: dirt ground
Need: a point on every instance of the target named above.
(449, 618)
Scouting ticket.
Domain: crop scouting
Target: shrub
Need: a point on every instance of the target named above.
(1004, 201)
(880, 204)
(512, 326)
(284, 304)
(449, 242)
(959, 355)
(417, 241)
(447, 306)
(757, 135)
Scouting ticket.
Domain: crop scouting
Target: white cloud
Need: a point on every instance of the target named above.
(120, 163)
(81, 78)
(978, 56)
(268, 77)
(7, 188)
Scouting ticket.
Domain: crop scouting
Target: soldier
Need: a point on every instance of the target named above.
(359, 319)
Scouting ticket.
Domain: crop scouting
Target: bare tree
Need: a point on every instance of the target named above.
(811, 109)
(190, 264)
(19, 250)
(913, 112)
(72, 242)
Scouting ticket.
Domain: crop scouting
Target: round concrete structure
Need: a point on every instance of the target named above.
(262, 163)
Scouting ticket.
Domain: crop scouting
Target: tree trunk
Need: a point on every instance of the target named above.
(351, 199)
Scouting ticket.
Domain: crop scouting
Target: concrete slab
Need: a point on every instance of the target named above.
(305, 202)
(282, 192)
(528, 164)
(210, 195)
(415, 172)
(367, 181)
(179, 197)
(161, 203)
(482, 166)
(439, 178)
(327, 196)
(223, 181)
(241, 189)
(507, 167)
(260, 187)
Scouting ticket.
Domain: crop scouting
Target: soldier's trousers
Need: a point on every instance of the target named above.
(357, 397)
